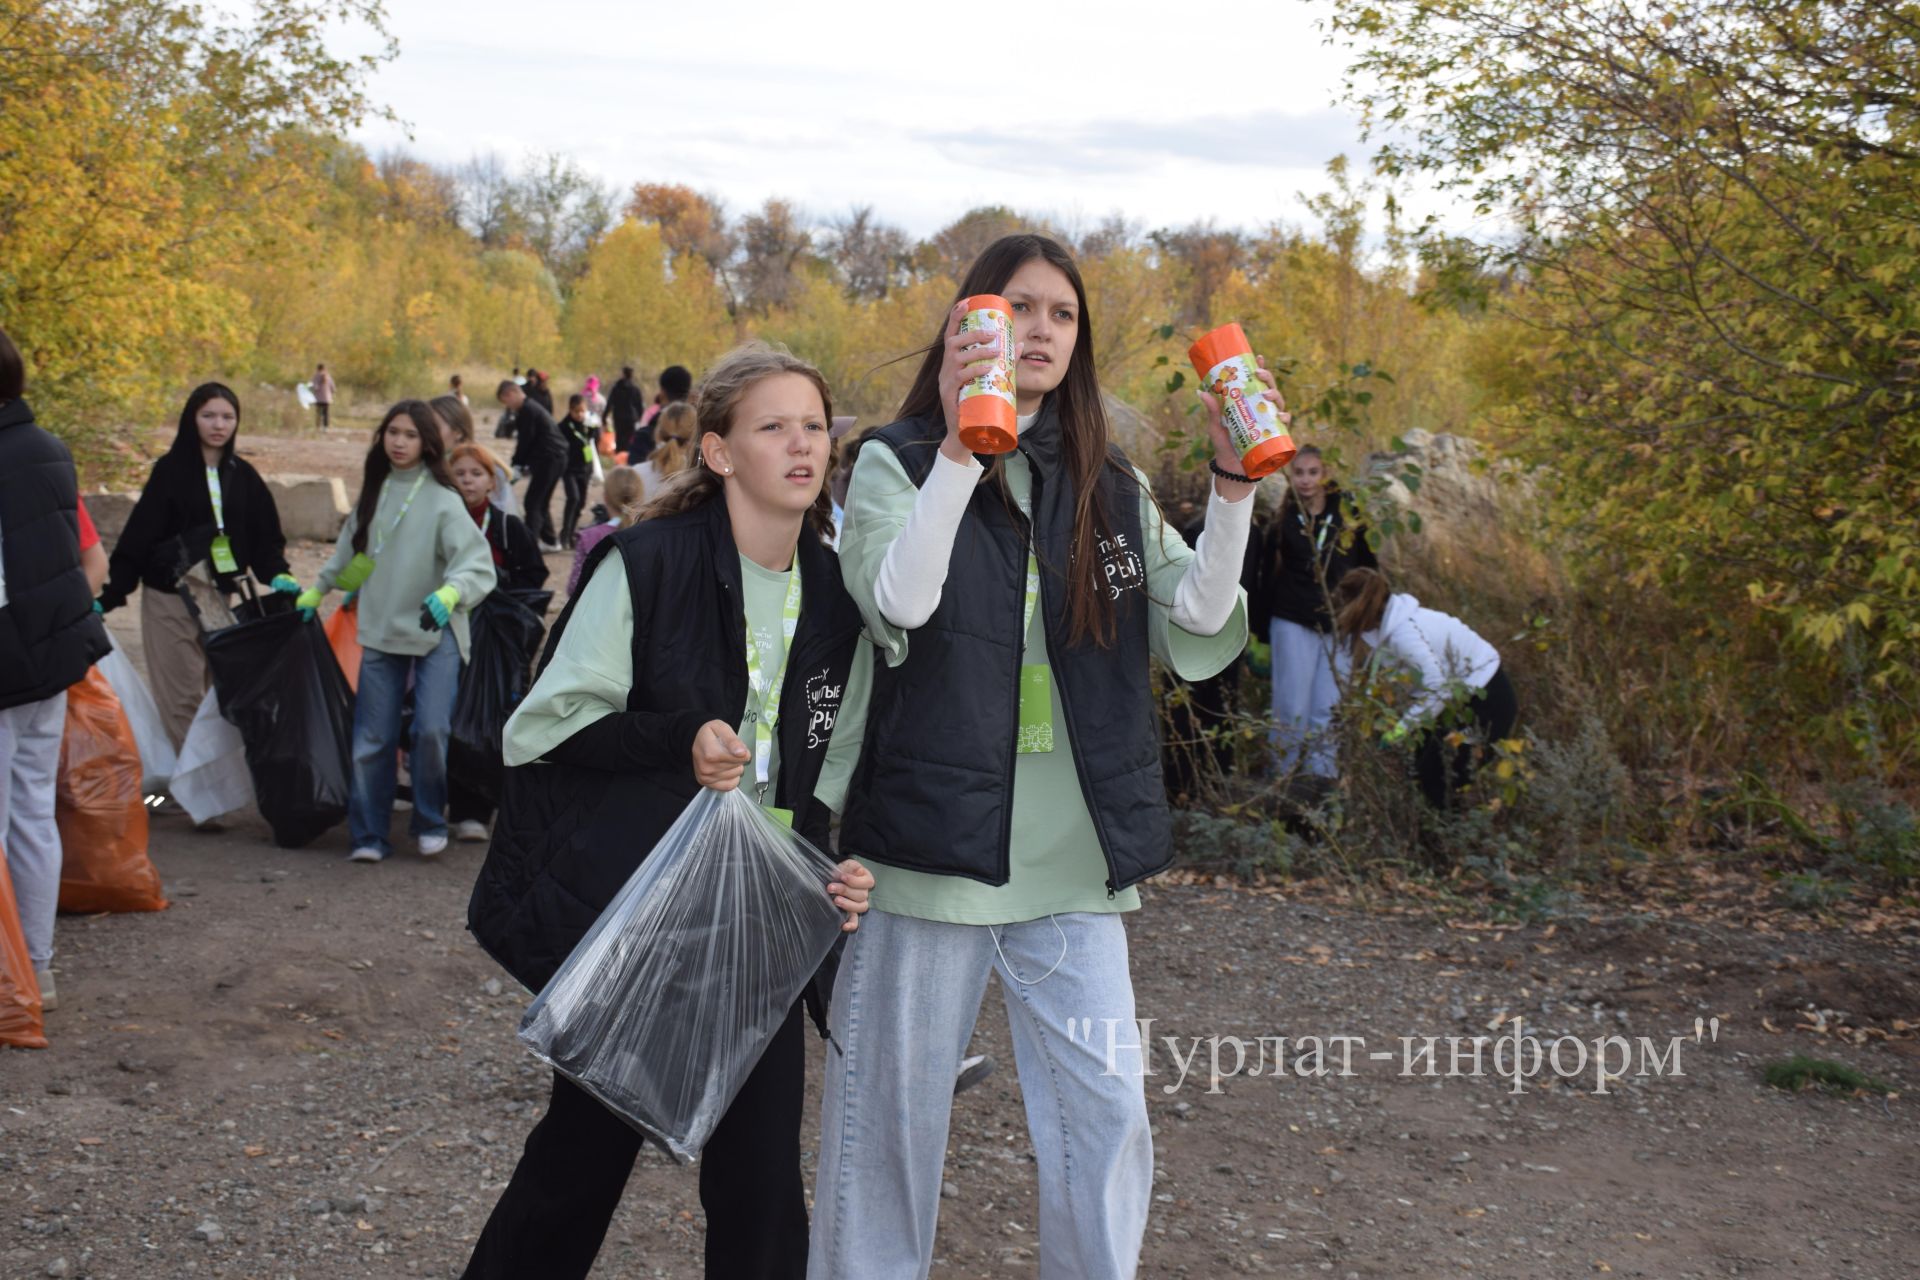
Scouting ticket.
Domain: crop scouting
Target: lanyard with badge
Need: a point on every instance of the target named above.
(1036, 680)
(766, 717)
(221, 552)
(361, 567)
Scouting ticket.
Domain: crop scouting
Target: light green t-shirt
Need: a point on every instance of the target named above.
(1056, 864)
(591, 676)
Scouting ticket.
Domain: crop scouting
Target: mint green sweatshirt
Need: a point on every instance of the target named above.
(436, 544)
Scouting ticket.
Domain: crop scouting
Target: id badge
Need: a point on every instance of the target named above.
(222, 553)
(1036, 709)
(358, 570)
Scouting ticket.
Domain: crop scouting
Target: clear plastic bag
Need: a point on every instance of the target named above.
(663, 1009)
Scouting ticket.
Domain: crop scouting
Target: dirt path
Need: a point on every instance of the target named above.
(307, 1069)
(316, 1058)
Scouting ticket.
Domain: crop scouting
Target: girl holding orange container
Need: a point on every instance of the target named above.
(1009, 796)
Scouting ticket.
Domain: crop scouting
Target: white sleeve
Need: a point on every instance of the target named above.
(914, 572)
(1208, 591)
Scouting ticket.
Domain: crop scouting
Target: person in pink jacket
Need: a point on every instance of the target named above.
(322, 396)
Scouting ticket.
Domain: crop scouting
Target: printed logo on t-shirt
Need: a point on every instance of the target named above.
(1120, 566)
(823, 707)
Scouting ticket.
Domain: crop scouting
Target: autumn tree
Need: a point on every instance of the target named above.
(144, 145)
(1715, 208)
(640, 304)
(870, 256)
(775, 246)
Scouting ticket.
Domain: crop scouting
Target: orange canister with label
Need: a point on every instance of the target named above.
(989, 414)
(1224, 360)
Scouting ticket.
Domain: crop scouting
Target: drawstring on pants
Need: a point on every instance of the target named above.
(1043, 977)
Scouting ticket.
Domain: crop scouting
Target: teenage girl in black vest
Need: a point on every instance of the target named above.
(1009, 790)
(646, 696)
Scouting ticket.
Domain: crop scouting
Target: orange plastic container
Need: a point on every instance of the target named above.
(989, 414)
(1224, 360)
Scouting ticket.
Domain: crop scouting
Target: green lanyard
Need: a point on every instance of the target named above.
(1033, 597)
(220, 550)
(768, 715)
(411, 494)
(213, 495)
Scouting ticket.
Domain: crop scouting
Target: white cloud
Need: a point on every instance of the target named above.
(1091, 108)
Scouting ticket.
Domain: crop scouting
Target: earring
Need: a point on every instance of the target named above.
(726, 471)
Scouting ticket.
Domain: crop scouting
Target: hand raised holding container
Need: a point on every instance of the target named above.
(1248, 422)
(977, 362)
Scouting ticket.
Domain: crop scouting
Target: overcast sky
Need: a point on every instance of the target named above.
(1165, 112)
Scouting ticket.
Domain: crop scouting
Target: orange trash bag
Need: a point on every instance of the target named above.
(20, 1024)
(100, 808)
(605, 444)
(343, 633)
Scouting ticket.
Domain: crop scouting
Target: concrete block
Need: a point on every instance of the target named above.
(311, 507)
(109, 512)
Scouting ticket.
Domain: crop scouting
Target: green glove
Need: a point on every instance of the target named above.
(439, 605)
(1396, 735)
(308, 601)
(286, 584)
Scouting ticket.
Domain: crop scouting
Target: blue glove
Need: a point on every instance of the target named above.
(286, 584)
(98, 607)
(346, 601)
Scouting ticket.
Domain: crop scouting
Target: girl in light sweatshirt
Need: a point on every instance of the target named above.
(419, 565)
(1461, 684)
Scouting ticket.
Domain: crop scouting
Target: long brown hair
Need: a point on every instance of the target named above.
(1086, 437)
(673, 436)
(1359, 602)
(718, 395)
(457, 416)
(433, 456)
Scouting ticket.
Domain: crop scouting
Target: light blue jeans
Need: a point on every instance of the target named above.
(376, 740)
(903, 1010)
(1307, 671)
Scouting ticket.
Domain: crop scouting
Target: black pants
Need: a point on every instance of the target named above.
(576, 479)
(1444, 771)
(546, 474)
(320, 410)
(554, 1214)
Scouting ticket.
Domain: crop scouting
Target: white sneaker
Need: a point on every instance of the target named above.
(550, 548)
(469, 831)
(972, 1071)
(49, 999)
(433, 845)
(366, 853)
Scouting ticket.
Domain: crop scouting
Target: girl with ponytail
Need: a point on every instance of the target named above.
(648, 693)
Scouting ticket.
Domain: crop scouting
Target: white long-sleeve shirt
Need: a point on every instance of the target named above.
(1442, 651)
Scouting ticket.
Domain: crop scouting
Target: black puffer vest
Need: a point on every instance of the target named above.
(934, 788)
(568, 838)
(49, 633)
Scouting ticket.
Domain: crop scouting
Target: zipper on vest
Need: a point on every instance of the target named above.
(1066, 709)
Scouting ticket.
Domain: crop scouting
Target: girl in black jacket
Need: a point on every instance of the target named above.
(201, 502)
(1315, 538)
(663, 676)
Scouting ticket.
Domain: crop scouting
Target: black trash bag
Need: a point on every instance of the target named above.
(279, 684)
(504, 639)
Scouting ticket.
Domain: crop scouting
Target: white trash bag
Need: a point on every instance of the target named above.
(211, 777)
(157, 757)
(666, 1005)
